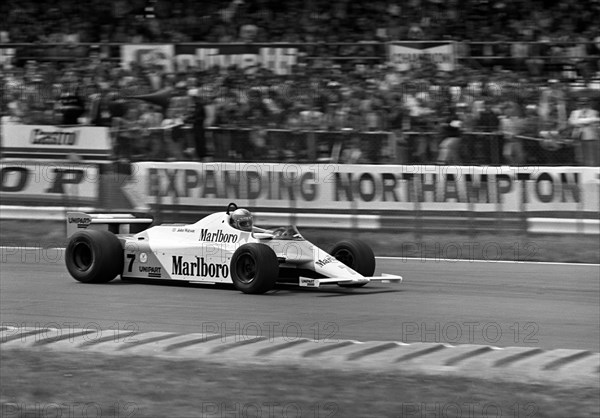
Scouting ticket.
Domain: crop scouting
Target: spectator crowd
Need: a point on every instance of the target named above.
(521, 117)
(134, 21)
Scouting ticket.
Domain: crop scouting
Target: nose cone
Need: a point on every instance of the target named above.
(329, 266)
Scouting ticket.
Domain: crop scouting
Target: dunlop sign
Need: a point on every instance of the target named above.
(46, 182)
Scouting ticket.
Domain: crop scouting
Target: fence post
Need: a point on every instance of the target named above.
(311, 145)
(354, 218)
(495, 147)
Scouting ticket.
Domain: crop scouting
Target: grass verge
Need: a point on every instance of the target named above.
(92, 384)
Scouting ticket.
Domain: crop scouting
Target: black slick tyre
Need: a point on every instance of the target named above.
(94, 256)
(357, 255)
(254, 268)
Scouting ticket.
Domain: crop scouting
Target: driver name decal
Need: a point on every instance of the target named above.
(198, 268)
(217, 236)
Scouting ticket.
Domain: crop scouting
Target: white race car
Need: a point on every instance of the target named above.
(212, 250)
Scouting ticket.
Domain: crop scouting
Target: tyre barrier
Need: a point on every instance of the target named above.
(522, 364)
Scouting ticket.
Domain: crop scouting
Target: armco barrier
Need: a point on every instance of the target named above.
(534, 365)
(349, 221)
(563, 226)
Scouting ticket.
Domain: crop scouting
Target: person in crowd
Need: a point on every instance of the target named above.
(172, 139)
(373, 117)
(71, 106)
(311, 118)
(449, 148)
(99, 105)
(17, 109)
(395, 124)
(586, 132)
(488, 123)
(352, 152)
(150, 122)
(540, 146)
(552, 106)
(511, 126)
(421, 122)
(198, 119)
(125, 132)
(258, 143)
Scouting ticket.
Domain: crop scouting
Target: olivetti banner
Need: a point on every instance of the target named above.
(365, 188)
(183, 57)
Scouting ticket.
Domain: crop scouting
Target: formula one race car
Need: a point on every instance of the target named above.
(224, 247)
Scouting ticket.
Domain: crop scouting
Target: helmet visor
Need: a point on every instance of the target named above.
(245, 223)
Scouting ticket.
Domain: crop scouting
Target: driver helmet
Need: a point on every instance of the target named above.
(241, 219)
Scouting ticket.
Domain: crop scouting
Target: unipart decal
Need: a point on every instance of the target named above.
(198, 268)
(217, 236)
(326, 260)
(307, 282)
(82, 222)
(152, 271)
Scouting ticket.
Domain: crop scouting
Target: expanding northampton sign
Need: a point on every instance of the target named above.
(367, 188)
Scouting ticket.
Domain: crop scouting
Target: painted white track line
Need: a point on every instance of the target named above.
(452, 260)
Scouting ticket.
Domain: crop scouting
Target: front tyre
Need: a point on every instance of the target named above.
(94, 256)
(254, 268)
(357, 255)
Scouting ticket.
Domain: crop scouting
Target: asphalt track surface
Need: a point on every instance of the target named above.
(493, 303)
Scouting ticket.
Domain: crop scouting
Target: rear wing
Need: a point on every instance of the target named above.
(117, 223)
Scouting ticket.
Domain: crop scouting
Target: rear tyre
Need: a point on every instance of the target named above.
(94, 256)
(254, 268)
(357, 255)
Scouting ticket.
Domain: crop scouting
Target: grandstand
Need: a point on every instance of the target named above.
(310, 81)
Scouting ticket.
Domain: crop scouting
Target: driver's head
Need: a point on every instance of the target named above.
(242, 219)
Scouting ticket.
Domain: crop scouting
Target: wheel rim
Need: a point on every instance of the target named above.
(246, 269)
(345, 256)
(82, 256)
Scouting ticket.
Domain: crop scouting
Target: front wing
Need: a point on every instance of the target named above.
(384, 278)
